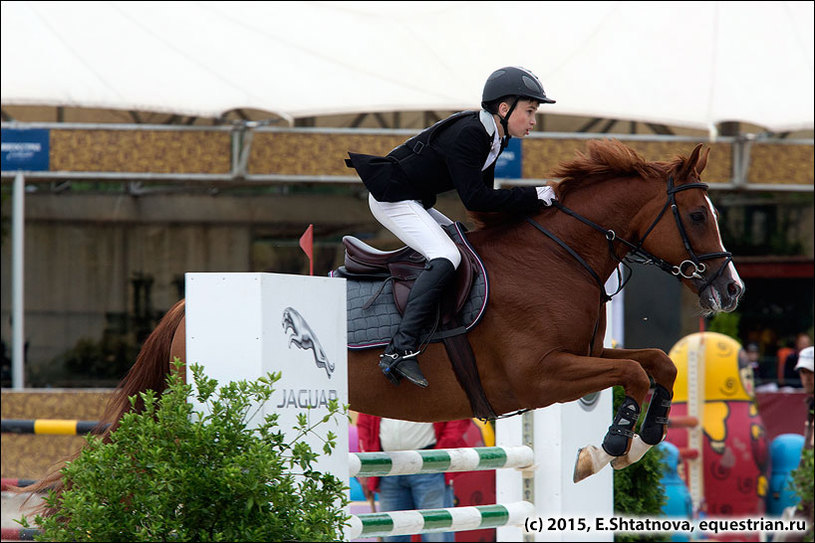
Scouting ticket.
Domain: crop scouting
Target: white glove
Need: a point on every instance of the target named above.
(546, 194)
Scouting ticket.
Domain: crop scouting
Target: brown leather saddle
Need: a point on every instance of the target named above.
(403, 266)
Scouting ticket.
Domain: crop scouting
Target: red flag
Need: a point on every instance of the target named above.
(307, 244)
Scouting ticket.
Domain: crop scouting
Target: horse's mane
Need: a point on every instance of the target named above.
(602, 160)
(606, 159)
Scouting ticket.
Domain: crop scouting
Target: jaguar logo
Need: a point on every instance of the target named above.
(301, 335)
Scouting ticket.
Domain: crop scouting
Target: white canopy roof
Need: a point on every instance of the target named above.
(691, 64)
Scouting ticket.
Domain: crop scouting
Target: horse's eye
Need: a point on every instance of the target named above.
(697, 217)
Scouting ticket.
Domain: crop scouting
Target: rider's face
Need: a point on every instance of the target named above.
(522, 120)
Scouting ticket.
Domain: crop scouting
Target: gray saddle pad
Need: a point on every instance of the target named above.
(374, 326)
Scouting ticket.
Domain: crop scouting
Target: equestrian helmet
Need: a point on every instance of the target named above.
(513, 81)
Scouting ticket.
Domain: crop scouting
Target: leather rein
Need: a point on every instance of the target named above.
(691, 268)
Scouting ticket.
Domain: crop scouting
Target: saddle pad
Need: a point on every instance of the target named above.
(376, 325)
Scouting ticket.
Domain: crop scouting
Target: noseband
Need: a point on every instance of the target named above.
(691, 268)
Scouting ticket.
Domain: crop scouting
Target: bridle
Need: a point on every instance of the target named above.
(693, 267)
(698, 266)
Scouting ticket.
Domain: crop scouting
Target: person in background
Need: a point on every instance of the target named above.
(781, 358)
(804, 367)
(787, 375)
(804, 510)
(408, 492)
(751, 356)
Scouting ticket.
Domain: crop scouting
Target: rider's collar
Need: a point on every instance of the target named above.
(488, 121)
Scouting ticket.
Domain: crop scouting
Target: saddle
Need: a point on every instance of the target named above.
(403, 266)
(366, 265)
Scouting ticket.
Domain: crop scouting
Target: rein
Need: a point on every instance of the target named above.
(637, 254)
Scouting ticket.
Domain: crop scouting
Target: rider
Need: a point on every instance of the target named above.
(456, 153)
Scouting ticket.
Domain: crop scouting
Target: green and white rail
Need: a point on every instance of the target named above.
(425, 521)
(439, 461)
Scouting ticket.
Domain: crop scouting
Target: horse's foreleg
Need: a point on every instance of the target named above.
(619, 442)
(655, 362)
(655, 426)
(569, 377)
(653, 430)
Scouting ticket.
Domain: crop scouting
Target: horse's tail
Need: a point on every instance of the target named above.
(149, 372)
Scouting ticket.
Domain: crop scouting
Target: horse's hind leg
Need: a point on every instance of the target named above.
(655, 426)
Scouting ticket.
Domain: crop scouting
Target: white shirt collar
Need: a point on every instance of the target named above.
(488, 121)
(492, 129)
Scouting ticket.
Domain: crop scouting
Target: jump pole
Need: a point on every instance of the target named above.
(381, 464)
(425, 521)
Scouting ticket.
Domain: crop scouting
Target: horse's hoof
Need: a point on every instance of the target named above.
(636, 451)
(589, 461)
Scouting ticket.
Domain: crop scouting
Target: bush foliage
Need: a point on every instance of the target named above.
(803, 478)
(172, 473)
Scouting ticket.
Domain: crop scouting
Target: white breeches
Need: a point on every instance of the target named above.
(417, 227)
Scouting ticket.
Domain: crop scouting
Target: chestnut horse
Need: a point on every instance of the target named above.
(541, 339)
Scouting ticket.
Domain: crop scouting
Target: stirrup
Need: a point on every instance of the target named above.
(398, 365)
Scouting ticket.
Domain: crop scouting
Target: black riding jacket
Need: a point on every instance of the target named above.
(448, 155)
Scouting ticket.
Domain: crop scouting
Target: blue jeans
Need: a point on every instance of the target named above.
(420, 491)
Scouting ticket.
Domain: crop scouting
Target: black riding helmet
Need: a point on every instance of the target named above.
(508, 82)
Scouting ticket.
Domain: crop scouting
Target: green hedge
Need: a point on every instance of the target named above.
(171, 474)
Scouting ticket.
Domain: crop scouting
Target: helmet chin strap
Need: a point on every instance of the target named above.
(505, 123)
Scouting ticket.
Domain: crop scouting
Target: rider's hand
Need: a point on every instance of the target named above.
(546, 194)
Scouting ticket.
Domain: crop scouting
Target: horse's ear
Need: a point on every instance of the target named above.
(695, 164)
(702, 162)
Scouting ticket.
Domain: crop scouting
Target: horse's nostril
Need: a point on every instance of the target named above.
(734, 289)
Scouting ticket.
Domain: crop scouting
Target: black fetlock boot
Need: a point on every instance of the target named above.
(654, 426)
(400, 355)
(622, 429)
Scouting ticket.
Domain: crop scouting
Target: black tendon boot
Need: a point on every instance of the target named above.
(656, 418)
(622, 429)
(400, 354)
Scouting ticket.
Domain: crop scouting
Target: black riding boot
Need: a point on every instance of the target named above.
(400, 354)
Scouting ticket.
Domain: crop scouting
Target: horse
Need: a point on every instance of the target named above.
(540, 341)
